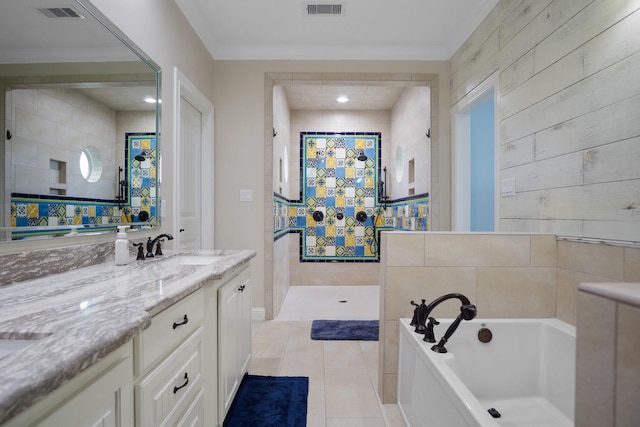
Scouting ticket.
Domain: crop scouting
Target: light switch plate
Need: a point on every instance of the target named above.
(246, 195)
(508, 188)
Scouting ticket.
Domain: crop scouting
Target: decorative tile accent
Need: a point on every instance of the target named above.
(33, 210)
(337, 184)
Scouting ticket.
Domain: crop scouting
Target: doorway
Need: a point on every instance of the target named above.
(475, 171)
(193, 163)
(282, 249)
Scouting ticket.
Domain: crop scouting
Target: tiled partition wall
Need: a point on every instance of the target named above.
(505, 275)
(608, 355)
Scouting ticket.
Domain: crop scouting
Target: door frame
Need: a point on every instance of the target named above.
(185, 89)
(461, 138)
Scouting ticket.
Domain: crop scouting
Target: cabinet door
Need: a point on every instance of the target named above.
(228, 333)
(106, 402)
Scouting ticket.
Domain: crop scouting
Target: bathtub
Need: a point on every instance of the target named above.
(526, 373)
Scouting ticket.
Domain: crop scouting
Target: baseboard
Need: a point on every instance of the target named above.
(257, 313)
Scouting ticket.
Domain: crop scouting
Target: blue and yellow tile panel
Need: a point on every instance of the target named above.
(339, 178)
(142, 174)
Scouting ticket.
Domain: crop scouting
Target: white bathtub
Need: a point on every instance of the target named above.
(526, 372)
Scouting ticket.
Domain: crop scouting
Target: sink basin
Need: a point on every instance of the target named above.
(9, 346)
(196, 259)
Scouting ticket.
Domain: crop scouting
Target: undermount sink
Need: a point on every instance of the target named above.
(195, 259)
(10, 346)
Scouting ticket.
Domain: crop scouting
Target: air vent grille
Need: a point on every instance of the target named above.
(324, 9)
(60, 12)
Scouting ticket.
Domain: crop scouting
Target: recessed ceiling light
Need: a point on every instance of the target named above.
(342, 99)
(152, 100)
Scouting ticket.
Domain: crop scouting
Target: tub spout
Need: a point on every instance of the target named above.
(467, 312)
(424, 311)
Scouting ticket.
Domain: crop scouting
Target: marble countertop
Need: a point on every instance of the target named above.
(78, 317)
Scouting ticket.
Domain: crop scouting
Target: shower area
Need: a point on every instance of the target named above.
(339, 214)
(342, 173)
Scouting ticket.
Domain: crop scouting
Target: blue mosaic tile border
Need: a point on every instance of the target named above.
(33, 210)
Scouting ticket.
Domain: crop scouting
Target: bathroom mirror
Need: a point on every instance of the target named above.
(73, 89)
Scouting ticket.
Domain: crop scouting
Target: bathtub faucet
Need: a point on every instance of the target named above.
(467, 312)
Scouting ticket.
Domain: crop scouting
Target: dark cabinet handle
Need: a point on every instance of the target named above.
(184, 322)
(186, 381)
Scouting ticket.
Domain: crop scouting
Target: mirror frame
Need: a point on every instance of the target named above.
(18, 234)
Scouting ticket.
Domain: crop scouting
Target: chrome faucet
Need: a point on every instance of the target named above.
(156, 242)
(467, 312)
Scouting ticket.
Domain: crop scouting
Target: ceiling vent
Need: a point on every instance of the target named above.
(313, 9)
(60, 12)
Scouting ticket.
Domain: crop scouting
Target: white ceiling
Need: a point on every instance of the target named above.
(366, 29)
(323, 97)
(264, 29)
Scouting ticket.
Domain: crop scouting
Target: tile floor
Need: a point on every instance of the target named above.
(343, 375)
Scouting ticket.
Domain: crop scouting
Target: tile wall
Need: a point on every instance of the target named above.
(337, 185)
(608, 354)
(506, 275)
(35, 210)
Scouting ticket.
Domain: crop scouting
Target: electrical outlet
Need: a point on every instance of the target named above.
(508, 188)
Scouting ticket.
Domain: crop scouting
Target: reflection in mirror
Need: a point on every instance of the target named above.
(399, 165)
(90, 164)
(72, 92)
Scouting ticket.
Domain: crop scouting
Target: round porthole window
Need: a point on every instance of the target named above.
(91, 164)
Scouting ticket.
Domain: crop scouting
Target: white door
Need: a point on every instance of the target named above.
(193, 162)
(189, 195)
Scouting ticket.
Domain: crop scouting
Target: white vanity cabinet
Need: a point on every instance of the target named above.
(100, 396)
(234, 338)
(183, 370)
(169, 365)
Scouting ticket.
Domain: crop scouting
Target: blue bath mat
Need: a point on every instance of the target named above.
(269, 402)
(343, 330)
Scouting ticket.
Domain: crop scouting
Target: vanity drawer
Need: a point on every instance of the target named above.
(169, 391)
(168, 329)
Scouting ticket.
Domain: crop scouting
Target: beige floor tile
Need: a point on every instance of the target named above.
(350, 394)
(371, 362)
(316, 413)
(342, 374)
(343, 354)
(273, 331)
(265, 366)
(268, 348)
(304, 354)
(355, 422)
(315, 374)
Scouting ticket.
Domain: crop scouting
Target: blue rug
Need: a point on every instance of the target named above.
(343, 330)
(269, 402)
